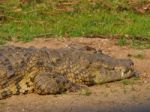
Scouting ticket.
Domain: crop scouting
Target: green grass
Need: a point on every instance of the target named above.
(85, 91)
(131, 81)
(112, 17)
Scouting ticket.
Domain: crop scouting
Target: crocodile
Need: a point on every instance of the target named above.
(54, 71)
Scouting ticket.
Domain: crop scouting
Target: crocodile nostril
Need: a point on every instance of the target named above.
(130, 62)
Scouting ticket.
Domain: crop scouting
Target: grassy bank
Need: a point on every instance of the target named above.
(71, 18)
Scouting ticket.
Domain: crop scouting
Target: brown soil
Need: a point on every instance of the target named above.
(122, 96)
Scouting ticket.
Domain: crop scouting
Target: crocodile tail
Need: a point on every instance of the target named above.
(5, 94)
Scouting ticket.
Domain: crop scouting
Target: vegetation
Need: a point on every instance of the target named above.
(26, 19)
(131, 81)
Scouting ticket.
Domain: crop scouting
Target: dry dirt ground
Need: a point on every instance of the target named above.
(123, 96)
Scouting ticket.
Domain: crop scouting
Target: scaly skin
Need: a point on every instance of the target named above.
(54, 71)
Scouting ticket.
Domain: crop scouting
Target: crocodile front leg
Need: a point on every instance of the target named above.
(52, 83)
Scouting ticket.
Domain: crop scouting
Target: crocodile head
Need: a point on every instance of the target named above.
(108, 69)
